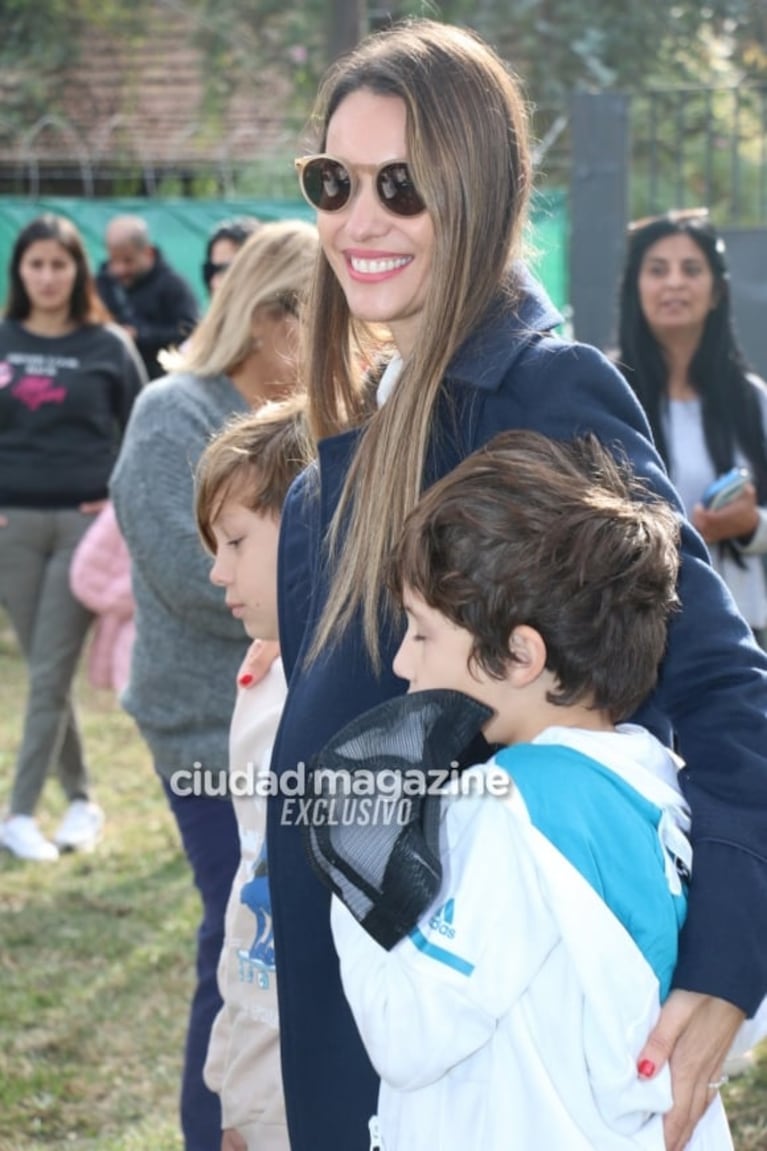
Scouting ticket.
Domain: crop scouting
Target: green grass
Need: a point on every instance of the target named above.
(97, 954)
(746, 1102)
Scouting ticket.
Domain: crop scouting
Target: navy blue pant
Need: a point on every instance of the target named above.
(209, 834)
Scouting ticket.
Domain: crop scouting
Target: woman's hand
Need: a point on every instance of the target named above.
(231, 1140)
(738, 518)
(259, 658)
(693, 1035)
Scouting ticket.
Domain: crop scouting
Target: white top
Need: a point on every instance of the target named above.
(512, 1017)
(388, 380)
(243, 1063)
(692, 471)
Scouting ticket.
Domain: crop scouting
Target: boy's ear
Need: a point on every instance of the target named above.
(528, 655)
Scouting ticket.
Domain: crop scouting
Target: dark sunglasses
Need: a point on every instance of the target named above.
(329, 184)
(675, 216)
(209, 270)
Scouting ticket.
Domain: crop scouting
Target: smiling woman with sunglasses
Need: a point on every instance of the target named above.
(421, 177)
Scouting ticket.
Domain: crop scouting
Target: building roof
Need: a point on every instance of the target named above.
(149, 104)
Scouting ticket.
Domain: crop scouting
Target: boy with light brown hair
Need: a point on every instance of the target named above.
(242, 480)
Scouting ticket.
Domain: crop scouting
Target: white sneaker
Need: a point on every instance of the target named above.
(20, 835)
(80, 829)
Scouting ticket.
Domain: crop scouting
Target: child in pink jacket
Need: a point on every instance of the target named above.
(100, 579)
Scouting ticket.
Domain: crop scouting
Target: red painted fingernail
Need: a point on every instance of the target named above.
(646, 1068)
(245, 680)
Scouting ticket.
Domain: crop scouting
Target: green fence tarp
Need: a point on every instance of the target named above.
(181, 228)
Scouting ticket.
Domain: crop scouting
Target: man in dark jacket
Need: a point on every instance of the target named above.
(151, 302)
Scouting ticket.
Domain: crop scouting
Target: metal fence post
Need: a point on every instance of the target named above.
(598, 210)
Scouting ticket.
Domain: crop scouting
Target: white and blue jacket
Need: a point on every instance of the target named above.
(511, 1018)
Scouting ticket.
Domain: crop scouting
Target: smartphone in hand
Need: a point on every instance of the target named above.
(725, 488)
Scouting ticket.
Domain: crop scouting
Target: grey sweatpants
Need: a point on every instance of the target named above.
(51, 625)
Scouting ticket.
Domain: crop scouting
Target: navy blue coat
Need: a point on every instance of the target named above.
(712, 695)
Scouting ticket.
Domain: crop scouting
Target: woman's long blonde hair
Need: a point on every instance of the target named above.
(467, 141)
(273, 267)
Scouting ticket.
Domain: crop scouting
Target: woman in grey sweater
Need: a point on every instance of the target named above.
(188, 646)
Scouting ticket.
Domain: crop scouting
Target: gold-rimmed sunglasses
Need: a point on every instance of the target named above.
(328, 184)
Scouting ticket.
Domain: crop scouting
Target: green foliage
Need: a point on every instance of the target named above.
(699, 147)
(239, 38)
(554, 46)
(41, 39)
(558, 46)
(98, 953)
(271, 177)
(40, 29)
(48, 32)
